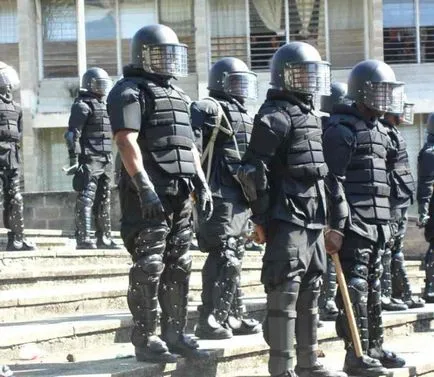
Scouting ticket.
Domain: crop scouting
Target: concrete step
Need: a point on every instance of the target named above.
(241, 356)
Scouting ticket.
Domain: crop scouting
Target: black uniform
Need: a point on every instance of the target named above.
(285, 152)
(90, 130)
(394, 281)
(425, 200)
(11, 127)
(159, 247)
(356, 150)
(223, 235)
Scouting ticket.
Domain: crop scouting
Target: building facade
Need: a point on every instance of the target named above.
(52, 42)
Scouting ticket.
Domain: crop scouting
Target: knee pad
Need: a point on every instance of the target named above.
(398, 257)
(178, 270)
(84, 201)
(146, 269)
(357, 289)
(150, 241)
(232, 265)
(178, 244)
(90, 190)
(17, 199)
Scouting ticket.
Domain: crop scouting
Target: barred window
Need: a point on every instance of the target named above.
(9, 33)
(100, 22)
(399, 31)
(426, 8)
(179, 15)
(228, 29)
(59, 38)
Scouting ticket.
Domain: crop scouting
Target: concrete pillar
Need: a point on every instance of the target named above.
(28, 54)
(81, 38)
(375, 31)
(203, 45)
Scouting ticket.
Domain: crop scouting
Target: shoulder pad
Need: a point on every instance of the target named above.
(125, 91)
(274, 118)
(205, 106)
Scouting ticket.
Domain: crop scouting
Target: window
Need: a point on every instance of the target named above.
(399, 31)
(9, 33)
(100, 23)
(426, 8)
(59, 38)
(134, 14)
(179, 15)
(346, 32)
(228, 29)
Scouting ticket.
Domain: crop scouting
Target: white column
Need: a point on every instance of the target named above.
(118, 38)
(203, 45)
(81, 38)
(366, 33)
(326, 30)
(287, 29)
(417, 24)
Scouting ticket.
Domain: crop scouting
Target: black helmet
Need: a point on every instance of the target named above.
(9, 79)
(405, 115)
(156, 49)
(338, 95)
(95, 80)
(297, 67)
(430, 124)
(233, 77)
(373, 83)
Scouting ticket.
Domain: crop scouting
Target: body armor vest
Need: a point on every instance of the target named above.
(9, 115)
(242, 125)
(96, 135)
(366, 186)
(166, 136)
(304, 152)
(404, 186)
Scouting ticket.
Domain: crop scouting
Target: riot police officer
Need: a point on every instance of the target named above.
(11, 128)
(223, 127)
(89, 144)
(356, 145)
(425, 200)
(282, 176)
(160, 167)
(326, 301)
(395, 284)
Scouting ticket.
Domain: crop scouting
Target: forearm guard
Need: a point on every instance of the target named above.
(336, 202)
(72, 140)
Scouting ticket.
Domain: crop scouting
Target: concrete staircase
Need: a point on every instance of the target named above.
(59, 301)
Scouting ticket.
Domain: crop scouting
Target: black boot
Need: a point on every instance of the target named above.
(104, 242)
(208, 327)
(173, 298)
(387, 302)
(429, 292)
(17, 242)
(401, 288)
(387, 358)
(236, 321)
(83, 213)
(318, 370)
(364, 366)
(155, 351)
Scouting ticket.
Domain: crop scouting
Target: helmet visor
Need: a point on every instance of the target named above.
(167, 60)
(384, 96)
(308, 77)
(9, 78)
(408, 113)
(241, 84)
(101, 86)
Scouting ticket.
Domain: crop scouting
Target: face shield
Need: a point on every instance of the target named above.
(241, 84)
(101, 86)
(308, 78)
(384, 96)
(166, 59)
(9, 78)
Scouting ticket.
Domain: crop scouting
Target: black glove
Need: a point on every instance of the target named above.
(152, 209)
(203, 198)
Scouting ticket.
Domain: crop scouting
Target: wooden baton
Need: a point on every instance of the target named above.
(348, 305)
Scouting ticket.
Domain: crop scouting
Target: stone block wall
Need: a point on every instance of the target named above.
(55, 210)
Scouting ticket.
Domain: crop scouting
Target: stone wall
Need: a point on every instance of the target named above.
(55, 210)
